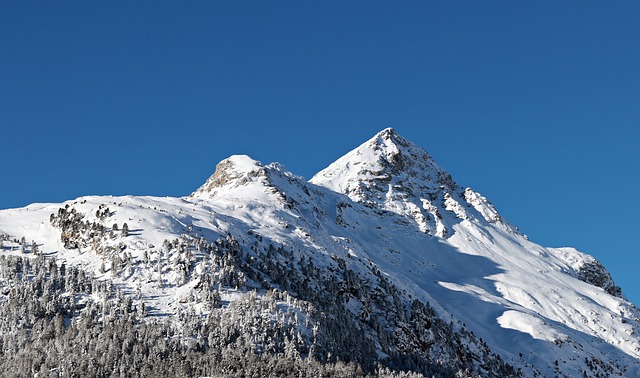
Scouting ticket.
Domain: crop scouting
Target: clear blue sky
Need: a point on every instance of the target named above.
(534, 104)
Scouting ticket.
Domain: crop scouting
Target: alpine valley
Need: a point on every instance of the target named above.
(379, 265)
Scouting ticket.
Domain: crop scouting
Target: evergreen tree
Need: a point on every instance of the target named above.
(23, 245)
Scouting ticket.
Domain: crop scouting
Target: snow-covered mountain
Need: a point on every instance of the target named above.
(381, 259)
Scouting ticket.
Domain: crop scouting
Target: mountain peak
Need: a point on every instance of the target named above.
(392, 149)
(390, 134)
(387, 133)
(391, 173)
(387, 159)
(234, 171)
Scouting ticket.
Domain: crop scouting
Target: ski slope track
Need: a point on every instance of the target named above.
(384, 208)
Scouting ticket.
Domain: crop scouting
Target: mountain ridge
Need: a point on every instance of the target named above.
(382, 232)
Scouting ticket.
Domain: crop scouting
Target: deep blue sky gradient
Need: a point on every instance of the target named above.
(534, 104)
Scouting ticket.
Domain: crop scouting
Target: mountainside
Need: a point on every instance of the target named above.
(380, 263)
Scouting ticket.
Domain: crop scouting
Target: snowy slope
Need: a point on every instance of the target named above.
(385, 209)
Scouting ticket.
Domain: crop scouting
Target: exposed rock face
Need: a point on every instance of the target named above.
(587, 269)
(236, 170)
(594, 272)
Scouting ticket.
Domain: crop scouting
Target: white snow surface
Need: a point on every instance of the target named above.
(389, 204)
